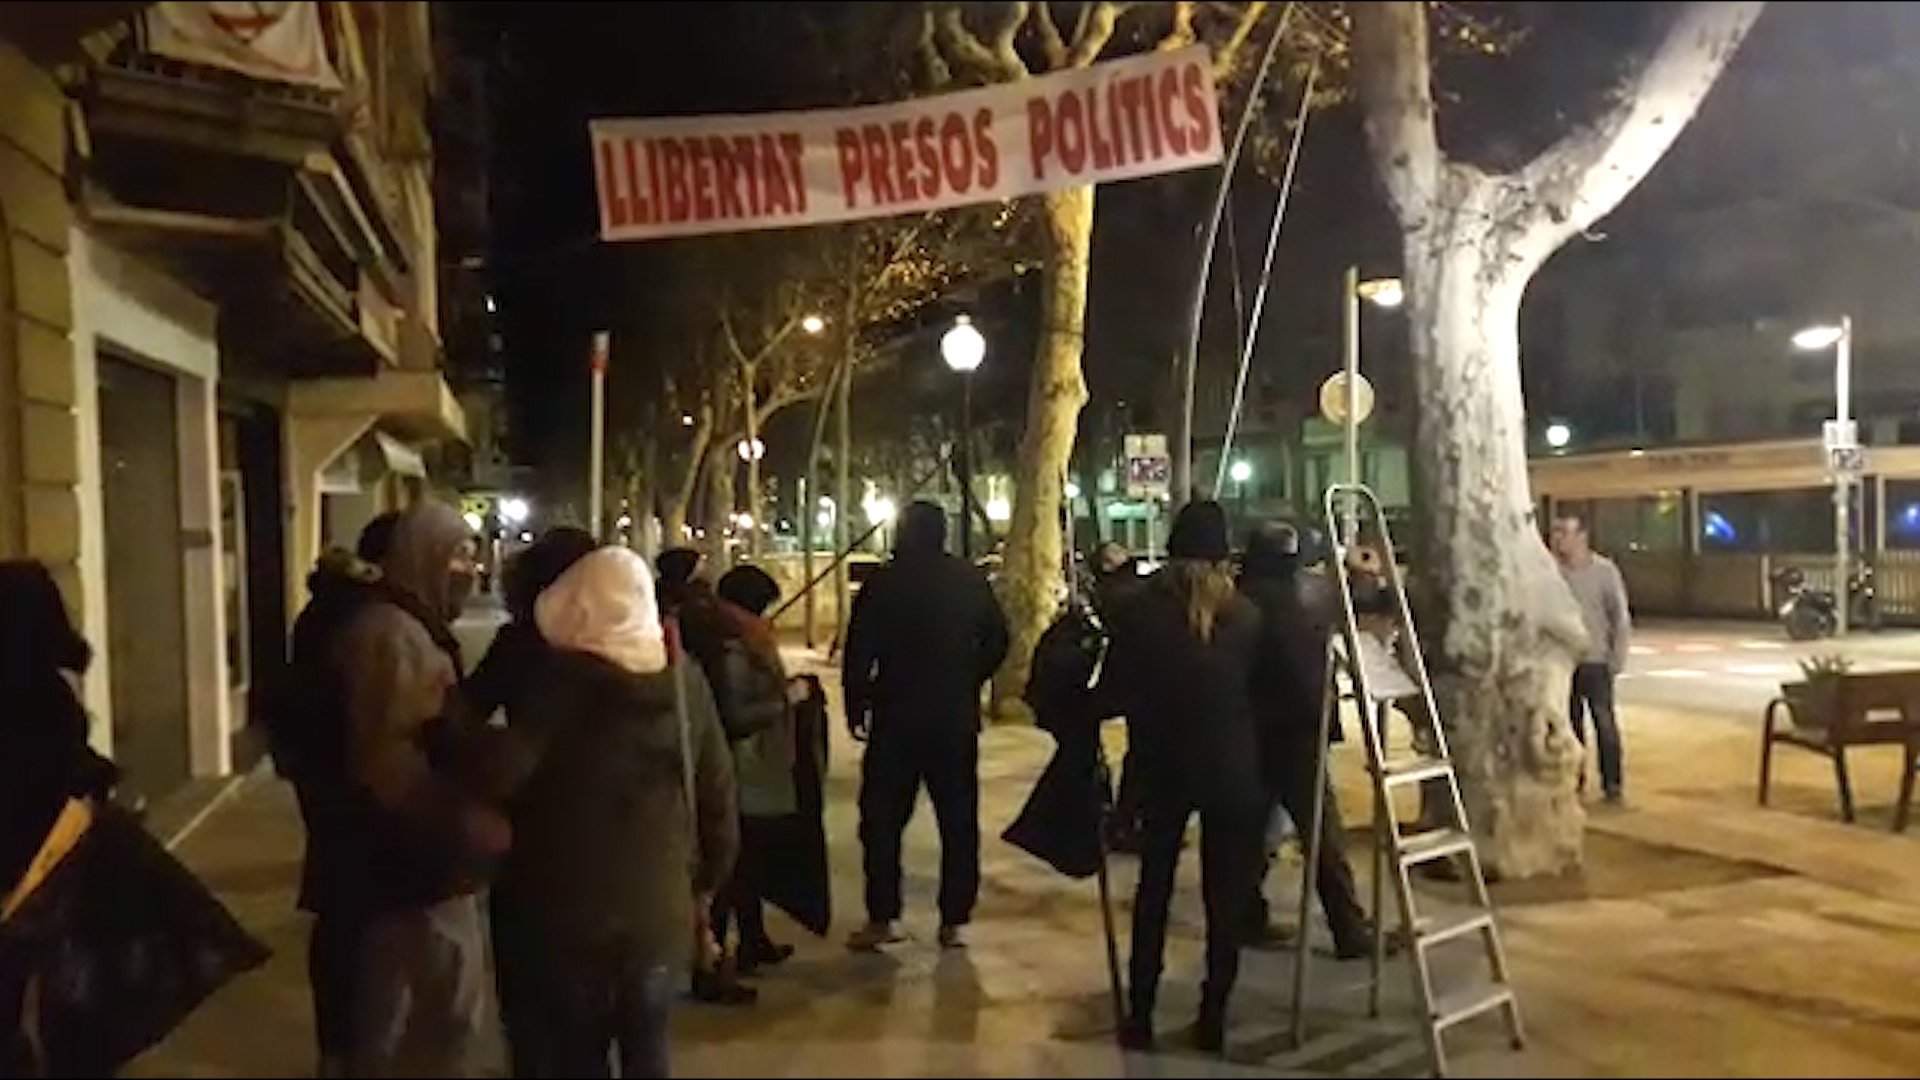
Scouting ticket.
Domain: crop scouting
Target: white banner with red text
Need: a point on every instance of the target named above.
(683, 176)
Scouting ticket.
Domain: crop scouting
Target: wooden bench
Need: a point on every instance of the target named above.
(1841, 712)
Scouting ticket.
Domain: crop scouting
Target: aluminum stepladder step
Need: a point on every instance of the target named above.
(1354, 519)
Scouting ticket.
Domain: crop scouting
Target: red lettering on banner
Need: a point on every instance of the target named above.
(852, 164)
(613, 208)
(679, 202)
(1166, 96)
(928, 154)
(873, 140)
(1129, 103)
(900, 156)
(988, 150)
(656, 199)
(1073, 132)
(773, 178)
(954, 137)
(790, 151)
(645, 210)
(726, 178)
(1155, 140)
(743, 155)
(1193, 82)
(702, 170)
(1039, 135)
(1101, 146)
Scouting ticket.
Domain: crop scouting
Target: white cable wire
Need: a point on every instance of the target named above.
(1252, 332)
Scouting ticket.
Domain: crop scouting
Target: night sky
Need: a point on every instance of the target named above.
(554, 65)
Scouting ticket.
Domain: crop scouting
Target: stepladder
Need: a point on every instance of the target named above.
(1375, 661)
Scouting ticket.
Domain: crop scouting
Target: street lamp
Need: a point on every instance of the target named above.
(1840, 441)
(813, 324)
(1241, 472)
(514, 510)
(1559, 435)
(751, 449)
(964, 348)
(1386, 293)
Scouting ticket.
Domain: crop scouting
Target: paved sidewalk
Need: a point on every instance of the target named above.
(1707, 937)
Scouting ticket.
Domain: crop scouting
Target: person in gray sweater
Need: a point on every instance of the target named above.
(1602, 595)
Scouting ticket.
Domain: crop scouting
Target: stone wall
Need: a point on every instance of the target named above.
(39, 441)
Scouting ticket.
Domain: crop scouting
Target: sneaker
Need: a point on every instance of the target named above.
(953, 936)
(720, 988)
(874, 935)
(762, 954)
(1272, 937)
(1137, 1035)
(1208, 1035)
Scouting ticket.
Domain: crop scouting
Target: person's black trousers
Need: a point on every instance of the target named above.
(1230, 853)
(1333, 879)
(1593, 692)
(588, 1009)
(896, 766)
(331, 951)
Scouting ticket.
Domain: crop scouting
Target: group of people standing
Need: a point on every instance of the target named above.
(590, 778)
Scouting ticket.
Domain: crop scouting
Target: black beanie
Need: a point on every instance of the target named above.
(1200, 532)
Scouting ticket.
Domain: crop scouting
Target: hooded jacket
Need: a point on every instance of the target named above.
(1299, 613)
(628, 809)
(926, 633)
(407, 834)
(1189, 706)
(739, 655)
(44, 756)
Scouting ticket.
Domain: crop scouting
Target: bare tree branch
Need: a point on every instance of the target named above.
(999, 63)
(1396, 96)
(1051, 42)
(1095, 33)
(1227, 56)
(1581, 178)
(927, 48)
(1181, 35)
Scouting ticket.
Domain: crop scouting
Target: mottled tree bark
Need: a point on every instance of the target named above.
(1032, 574)
(1502, 631)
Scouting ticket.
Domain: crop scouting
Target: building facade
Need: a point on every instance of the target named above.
(222, 347)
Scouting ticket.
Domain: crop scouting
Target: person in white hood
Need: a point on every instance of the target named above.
(627, 812)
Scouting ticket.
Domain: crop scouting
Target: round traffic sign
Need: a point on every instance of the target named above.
(1333, 398)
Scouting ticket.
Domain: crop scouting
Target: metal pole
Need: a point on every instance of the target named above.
(1842, 541)
(1188, 360)
(806, 511)
(754, 452)
(966, 466)
(1350, 347)
(597, 436)
(843, 489)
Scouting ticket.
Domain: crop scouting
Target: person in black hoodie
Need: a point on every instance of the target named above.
(1185, 648)
(505, 676)
(1298, 615)
(307, 738)
(925, 636)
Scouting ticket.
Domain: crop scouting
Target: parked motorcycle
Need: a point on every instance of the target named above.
(1810, 614)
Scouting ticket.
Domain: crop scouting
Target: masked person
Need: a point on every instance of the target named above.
(412, 843)
(1298, 616)
(1185, 648)
(925, 636)
(628, 814)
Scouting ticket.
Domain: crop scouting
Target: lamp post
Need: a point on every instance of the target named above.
(1381, 292)
(964, 348)
(1241, 473)
(1838, 337)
